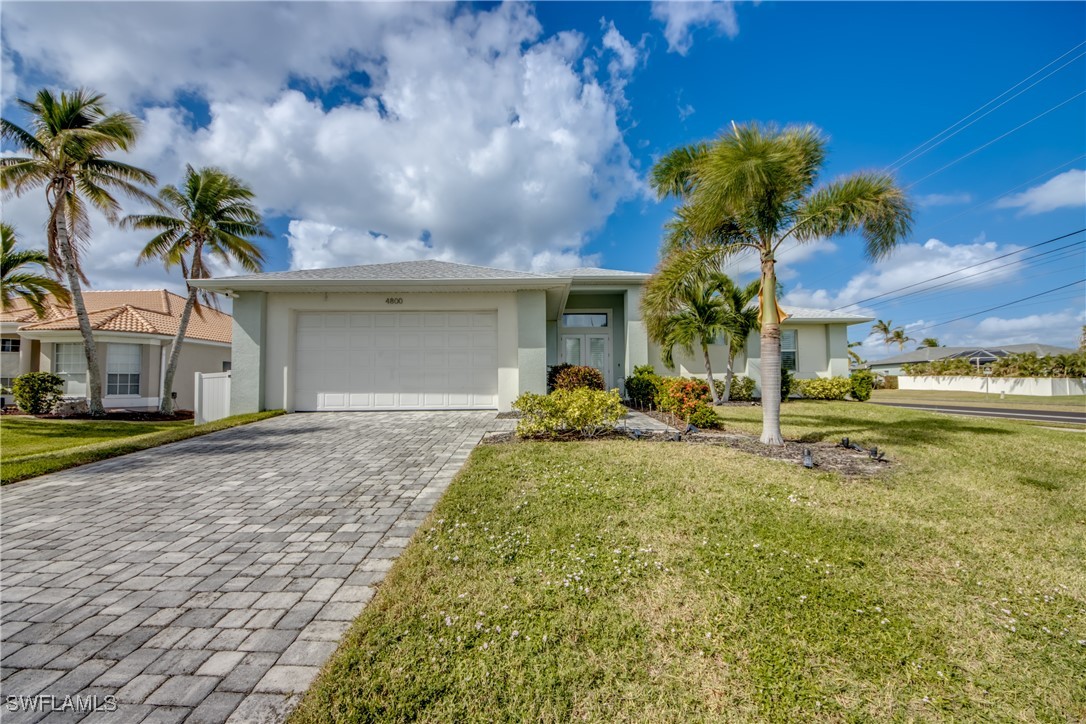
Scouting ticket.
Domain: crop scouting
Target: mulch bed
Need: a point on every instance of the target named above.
(827, 456)
(115, 415)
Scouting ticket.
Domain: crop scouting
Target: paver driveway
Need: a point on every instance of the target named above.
(209, 580)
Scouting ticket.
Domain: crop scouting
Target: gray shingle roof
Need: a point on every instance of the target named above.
(399, 271)
(593, 271)
(797, 314)
(927, 354)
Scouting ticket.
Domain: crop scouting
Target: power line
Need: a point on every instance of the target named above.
(956, 271)
(997, 138)
(898, 166)
(981, 108)
(1000, 306)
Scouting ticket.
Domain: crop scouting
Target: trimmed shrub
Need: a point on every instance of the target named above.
(824, 388)
(642, 385)
(788, 384)
(576, 377)
(742, 389)
(581, 412)
(687, 399)
(862, 381)
(36, 392)
(552, 373)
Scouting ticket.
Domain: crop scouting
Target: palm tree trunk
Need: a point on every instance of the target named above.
(165, 405)
(771, 356)
(728, 375)
(709, 373)
(94, 383)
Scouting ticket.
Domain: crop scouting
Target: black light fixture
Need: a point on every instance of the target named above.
(676, 437)
(808, 458)
(634, 434)
(691, 428)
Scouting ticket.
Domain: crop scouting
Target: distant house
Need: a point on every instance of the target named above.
(978, 356)
(133, 331)
(436, 335)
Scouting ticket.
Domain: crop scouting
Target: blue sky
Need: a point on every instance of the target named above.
(520, 135)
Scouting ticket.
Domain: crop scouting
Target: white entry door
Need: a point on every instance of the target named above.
(591, 350)
(396, 361)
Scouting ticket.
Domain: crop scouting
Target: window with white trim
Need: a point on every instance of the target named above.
(789, 349)
(9, 344)
(70, 363)
(584, 319)
(123, 369)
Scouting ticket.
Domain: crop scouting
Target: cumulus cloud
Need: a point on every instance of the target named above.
(455, 134)
(1057, 328)
(1067, 190)
(912, 263)
(928, 200)
(682, 17)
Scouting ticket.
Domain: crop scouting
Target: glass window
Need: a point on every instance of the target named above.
(226, 365)
(593, 319)
(123, 369)
(789, 350)
(70, 363)
(9, 344)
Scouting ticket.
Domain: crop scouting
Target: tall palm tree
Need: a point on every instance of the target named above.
(751, 190)
(692, 315)
(16, 281)
(856, 360)
(900, 338)
(741, 320)
(65, 154)
(213, 215)
(885, 329)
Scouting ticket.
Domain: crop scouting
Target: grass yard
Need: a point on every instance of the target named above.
(1074, 403)
(635, 581)
(30, 447)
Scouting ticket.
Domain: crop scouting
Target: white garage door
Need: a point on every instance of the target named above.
(396, 361)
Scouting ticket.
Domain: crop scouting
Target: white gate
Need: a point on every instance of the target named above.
(212, 396)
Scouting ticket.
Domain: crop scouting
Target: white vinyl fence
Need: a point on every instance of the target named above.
(212, 396)
(1036, 386)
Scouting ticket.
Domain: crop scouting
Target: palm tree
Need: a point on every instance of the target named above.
(751, 190)
(742, 319)
(855, 358)
(31, 286)
(885, 329)
(929, 342)
(900, 338)
(212, 216)
(71, 133)
(692, 315)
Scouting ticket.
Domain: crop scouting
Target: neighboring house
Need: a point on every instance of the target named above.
(133, 331)
(438, 335)
(978, 356)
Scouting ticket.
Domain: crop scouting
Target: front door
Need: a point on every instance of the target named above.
(591, 350)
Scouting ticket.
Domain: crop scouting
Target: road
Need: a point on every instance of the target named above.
(1073, 418)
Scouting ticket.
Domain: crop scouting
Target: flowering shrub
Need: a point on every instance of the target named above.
(687, 399)
(862, 381)
(575, 377)
(826, 388)
(642, 385)
(582, 412)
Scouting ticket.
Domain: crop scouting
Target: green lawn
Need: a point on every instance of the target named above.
(636, 581)
(1076, 403)
(30, 447)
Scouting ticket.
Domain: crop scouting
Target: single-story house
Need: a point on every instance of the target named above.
(978, 356)
(426, 335)
(133, 331)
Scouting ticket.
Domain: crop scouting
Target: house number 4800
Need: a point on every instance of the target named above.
(394, 300)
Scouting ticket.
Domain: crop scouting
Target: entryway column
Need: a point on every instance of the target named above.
(532, 341)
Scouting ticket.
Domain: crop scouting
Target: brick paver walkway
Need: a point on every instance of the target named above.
(208, 580)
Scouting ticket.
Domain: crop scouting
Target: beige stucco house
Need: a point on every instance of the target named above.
(437, 335)
(133, 331)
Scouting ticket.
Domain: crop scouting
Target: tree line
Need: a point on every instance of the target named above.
(66, 150)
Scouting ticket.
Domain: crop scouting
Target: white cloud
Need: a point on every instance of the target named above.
(912, 263)
(682, 17)
(1067, 190)
(685, 111)
(928, 200)
(474, 132)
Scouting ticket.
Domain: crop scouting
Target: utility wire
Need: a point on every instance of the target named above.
(997, 138)
(981, 108)
(898, 166)
(956, 271)
(1000, 306)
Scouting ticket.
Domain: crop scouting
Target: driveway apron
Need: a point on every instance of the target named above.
(209, 580)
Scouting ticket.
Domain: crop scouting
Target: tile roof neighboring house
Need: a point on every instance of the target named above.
(155, 312)
(928, 354)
